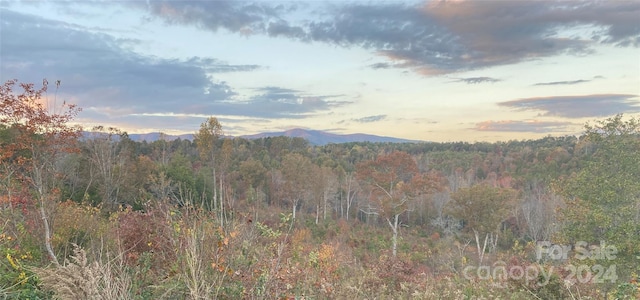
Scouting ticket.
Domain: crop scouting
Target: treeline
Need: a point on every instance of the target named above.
(249, 216)
(112, 168)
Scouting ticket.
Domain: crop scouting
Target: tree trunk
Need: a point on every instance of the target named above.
(394, 239)
(221, 204)
(484, 246)
(47, 233)
(350, 198)
(40, 186)
(341, 207)
(324, 196)
(215, 190)
(294, 210)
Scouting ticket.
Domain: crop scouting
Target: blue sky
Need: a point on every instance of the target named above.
(426, 70)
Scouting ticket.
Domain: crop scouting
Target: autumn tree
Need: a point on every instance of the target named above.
(603, 198)
(253, 175)
(393, 181)
(296, 173)
(482, 209)
(349, 191)
(323, 186)
(206, 139)
(40, 135)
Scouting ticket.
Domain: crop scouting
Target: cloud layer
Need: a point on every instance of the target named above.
(523, 126)
(477, 80)
(578, 106)
(109, 80)
(434, 37)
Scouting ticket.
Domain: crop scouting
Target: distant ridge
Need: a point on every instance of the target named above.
(315, 137)
(139, 137)
(319, 138)
(155, 136)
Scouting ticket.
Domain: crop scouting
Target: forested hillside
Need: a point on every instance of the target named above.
(105, 217)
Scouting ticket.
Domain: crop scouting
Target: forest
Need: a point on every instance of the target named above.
(88, 213)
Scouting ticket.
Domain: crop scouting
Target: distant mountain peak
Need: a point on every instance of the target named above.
(315, 137)
(318, 137)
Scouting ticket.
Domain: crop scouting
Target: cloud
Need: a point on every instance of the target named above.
(572, 82)
(370, 119)
(278, 102)
(435, 37)
(236, 16)
(109, 81)
(502, 32)
(377, 66)
(101, 72)
(523, 126)
(476, 80)
(578, 106)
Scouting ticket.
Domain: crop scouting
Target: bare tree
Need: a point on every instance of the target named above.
(539, 211)
(106, 157)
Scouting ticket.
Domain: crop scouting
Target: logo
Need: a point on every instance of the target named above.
(596, 266)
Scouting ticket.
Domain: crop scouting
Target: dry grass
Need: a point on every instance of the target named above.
(81, 278)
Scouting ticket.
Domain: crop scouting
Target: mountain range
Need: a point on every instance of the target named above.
(315, 137)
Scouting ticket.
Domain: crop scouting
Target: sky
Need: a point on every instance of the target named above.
(425, 70)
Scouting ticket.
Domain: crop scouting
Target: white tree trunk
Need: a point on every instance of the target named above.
(215, 190)
(47, 233)
(484, 246)
(40, 186)
(394, 239)
(293, 209)
(221, 204)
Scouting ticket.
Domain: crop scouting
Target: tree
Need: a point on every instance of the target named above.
(296, 170)
(350, 190)
(206, 139)
(224, 162)
(603, 198)
(323, 186)
(40, 137)
(253, 175)
(393, 181)
(482, 208)
(538, 210)
(108, 159)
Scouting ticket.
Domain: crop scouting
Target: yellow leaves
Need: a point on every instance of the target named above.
(15, 264)
(12, 262)
(326, 253)
(22, 278)
(4, 237)
(324, 258)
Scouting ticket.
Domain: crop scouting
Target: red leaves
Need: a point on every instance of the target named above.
(393, 180)
(30, 128)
